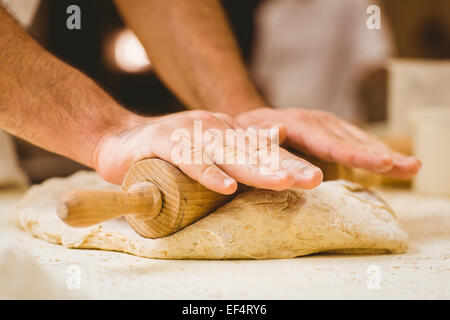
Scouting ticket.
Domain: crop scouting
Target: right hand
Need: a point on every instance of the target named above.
(329, 138)
(144, 137)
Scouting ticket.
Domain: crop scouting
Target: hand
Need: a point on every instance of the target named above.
(332, 139)
(141, 138)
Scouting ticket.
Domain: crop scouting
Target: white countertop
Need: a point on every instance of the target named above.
(422, 273)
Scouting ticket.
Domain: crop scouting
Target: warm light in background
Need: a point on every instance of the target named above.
(129, 54)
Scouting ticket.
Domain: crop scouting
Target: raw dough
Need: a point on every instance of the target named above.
(338, 216)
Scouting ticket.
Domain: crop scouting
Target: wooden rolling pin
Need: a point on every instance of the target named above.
(157, 199)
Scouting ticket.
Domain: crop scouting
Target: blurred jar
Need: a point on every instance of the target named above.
(431, 136)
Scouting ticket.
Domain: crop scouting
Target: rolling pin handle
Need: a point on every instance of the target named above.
(84, 208)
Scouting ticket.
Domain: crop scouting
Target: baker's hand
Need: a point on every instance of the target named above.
(153, 137)
(332, 139)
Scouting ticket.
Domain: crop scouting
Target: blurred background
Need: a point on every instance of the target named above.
(315, 54)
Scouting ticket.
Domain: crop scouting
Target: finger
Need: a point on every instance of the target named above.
(333, 149)
(405, 167)
(333, 146)
(240, 159)
(203, 166)
(360, 157)
(196, 164)
(253, 172)
(306, 175)
(357, 148)
(211, 176)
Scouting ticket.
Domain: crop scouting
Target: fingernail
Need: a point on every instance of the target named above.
(310, 172)
(414, 160)
(228, 182)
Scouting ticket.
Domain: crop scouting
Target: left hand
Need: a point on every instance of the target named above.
(327, 137)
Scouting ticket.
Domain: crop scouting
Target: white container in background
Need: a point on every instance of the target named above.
(415, 82)
(431, 136)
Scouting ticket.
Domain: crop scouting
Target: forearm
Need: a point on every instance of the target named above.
(49, 103)
(194, 52)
